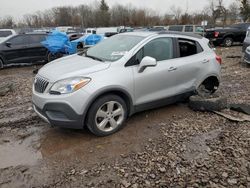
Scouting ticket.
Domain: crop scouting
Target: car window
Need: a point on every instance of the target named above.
(36, 38)
(188, 47)
(188, 28)
(175, 28)
(5, 33)
(199, 29)
(160, 49)
(19, 40)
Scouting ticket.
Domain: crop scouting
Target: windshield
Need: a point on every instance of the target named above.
(114, 48)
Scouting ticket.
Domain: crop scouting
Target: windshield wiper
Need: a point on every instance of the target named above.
(93, 57)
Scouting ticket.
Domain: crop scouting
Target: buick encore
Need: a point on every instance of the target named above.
(122, 75)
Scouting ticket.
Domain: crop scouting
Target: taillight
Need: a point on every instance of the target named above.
(218, 59)
(216, 34)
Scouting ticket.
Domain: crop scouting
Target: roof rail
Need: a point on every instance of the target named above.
(181, 33)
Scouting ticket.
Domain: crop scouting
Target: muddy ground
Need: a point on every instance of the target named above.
(167, 147)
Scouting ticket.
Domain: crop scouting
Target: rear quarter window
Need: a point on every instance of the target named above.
(189, 28)
(176, 28)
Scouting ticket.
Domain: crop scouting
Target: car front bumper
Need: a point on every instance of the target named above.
(66, 111)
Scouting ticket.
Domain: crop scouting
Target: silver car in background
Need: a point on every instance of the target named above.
(121, 76)
(246, 42)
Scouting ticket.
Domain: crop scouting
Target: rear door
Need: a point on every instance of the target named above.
(34, 50)
(191, 64)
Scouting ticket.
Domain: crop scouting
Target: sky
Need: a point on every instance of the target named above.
(17, 8)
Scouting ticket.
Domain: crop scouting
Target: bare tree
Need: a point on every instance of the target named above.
(245, 9)
(177, 12)
(7, 22)
(233, 12)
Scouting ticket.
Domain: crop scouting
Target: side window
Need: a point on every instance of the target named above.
(5, 33)
(19, 40)
(176, 28)
(188, 28)
(160, 49)
(199, 29)
(34, 39)
(189, 47)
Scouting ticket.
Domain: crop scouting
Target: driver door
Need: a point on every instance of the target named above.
(15, 52)
(159, 82)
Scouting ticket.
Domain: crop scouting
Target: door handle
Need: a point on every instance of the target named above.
(172, 69)
(205, 61)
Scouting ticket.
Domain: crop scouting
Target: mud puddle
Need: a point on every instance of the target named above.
(20, 149)
(64, 145)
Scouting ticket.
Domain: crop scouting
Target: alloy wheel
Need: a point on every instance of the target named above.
(109, 116)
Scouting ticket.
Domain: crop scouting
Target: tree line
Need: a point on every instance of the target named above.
(99, 14)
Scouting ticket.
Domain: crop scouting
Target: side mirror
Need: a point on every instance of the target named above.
(147, 62)
(8, 44)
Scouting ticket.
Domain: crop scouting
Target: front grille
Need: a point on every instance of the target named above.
(40, 84)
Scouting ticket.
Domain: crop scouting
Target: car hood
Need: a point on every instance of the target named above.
(70, 66)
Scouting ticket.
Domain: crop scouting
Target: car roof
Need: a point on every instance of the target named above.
(147, 34)
(140, 33)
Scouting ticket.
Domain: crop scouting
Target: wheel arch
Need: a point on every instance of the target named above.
(211, 81)
(115, 91)
(229, 35)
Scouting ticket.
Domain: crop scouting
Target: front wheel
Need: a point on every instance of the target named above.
(107, 115)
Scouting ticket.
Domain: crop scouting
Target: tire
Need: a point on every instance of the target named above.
(1, 64)
(214, 103)
(228, 41)
(101, 120)
(52, 57)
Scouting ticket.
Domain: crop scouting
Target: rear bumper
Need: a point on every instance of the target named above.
(60, 115)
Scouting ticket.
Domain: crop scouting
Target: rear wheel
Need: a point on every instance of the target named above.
(107, 115)
(228, 41)
(53, 56)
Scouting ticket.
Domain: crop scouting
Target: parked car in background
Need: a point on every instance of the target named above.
(186, 28)
(6, 33)
(246, 42)
(74, 36)
(94, 88)
(227, 36)
(247, 55)
(157, 28)
(22, 49)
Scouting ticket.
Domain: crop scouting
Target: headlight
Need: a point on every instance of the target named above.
(69, 85)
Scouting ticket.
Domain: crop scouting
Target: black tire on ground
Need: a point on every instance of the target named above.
(91, 116)
(214, 103)
(228, 41)
(1, 63)
(52, 57)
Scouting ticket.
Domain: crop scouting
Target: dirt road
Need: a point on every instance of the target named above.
(167, 147)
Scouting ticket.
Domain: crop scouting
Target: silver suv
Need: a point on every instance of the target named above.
(122, 75)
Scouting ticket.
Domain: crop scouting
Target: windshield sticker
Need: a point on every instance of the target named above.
(122, 53)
